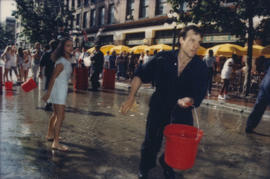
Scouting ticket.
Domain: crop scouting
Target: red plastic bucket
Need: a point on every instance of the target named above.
(8, 85)
(29, 85)
(181, 145)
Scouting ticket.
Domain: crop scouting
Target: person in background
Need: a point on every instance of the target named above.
(226, 73)
(20, 60)
(112, 61)
(82, 56)
(6, 57)
(77, 54)
(131, 65)
(36, 60)
(107, 60)
(26, 64)
(120, 62)
(58, 90)
(262, 101)
(181, 83)
(141, 58)
(47, 65)
(13, 62)
(146, 57)
(210, 63)
(97, 65)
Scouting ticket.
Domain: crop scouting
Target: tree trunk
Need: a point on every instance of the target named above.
(246, 86)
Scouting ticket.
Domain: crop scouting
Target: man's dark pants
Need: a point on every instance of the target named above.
(94, 80)
(258, 110)
(156, 122)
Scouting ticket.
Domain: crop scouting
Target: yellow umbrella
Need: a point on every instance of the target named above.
(266, 51)
(256, 50)
(159, 47)
(201, 51)
(226, 50)
(138, 49)
(106, 48)
(91, 50)
(119, 48)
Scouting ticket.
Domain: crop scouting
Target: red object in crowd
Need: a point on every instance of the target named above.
(81, 78)
(108, 81)
(8, 85)
(181, 145)
(29, 85)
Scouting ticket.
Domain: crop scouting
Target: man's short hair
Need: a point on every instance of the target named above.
(196, 29)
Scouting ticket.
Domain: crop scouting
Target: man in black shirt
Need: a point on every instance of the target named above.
(48, 66)
(97, 66)
(180, 78)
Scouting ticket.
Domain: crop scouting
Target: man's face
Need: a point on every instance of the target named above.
(191, 44)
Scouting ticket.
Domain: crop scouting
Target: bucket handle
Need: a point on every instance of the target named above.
(196, 117)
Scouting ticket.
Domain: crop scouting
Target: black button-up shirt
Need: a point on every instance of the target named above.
(163, 70)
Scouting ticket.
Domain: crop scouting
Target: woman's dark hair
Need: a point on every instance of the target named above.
(59, 51)
(20, 52)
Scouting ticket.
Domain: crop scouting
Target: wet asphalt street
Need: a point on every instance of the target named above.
(106, 145)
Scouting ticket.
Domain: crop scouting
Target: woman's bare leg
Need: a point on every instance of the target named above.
(50, 135)
(60, 113)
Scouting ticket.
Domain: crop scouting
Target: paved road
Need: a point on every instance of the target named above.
(105, 144)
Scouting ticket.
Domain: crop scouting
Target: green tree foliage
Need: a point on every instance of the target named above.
(42, 20)
(6, 37)
(237, 19)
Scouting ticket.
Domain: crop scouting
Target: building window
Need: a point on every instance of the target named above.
(86, 2)
(130, 10)
(78, 19)
(73, 4)
(144, 8)
(101, 16)
(78, 3)
(84, 19)
(93, 18)
(160, 7)
(111, 14)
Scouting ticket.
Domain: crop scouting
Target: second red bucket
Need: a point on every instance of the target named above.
(8, 85)
(181, 145)
(29, 85)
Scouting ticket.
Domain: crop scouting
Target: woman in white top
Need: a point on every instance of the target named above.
(6, 57)
(26, 65)
(58, 90)
(13, 62)
(226, 73)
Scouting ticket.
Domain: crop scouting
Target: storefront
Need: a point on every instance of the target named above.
(165, 36)
(135, 39)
